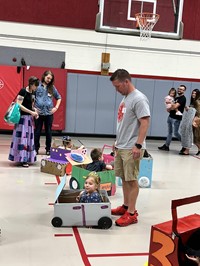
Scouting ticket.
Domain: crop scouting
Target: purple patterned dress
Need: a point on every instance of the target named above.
(22, 147)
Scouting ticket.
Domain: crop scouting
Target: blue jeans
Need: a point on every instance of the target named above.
(173, 125)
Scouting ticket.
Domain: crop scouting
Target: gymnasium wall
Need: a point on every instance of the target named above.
(83, 49)
(81, 14)
(67, 13)
(156, 64)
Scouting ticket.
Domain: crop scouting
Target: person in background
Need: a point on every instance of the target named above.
(45, 108)
(188, 124)
(169, 100)
(91, 193)
(22, 149)
(196, 123)
(193, 96)
(97, 164)
(132, 126)
(174, 120)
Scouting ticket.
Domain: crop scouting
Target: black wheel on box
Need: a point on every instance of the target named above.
(105, 223)
(56, 222)
(73, 183)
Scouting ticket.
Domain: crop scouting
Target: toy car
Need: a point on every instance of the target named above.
(107, 179)
(108, 157)
(69, 212)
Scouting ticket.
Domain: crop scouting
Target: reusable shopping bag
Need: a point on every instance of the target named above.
(12, 115)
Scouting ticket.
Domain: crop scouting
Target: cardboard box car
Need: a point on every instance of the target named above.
(58, 164)
(107, 179)
(69, 212)
(145, 173)
(169, 240)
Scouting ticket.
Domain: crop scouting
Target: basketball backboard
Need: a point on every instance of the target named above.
(118, 16)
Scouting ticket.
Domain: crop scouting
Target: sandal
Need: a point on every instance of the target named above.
(26, 165)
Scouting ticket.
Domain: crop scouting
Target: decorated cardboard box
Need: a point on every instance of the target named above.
(69, 212)
(107, 179)
(145, 173)
(170, 240)
(108, 155)
(58, 164)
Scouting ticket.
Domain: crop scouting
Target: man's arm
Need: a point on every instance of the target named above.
(173, 107)
(144, 125)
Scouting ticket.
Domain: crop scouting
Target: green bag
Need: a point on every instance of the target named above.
(12, 115)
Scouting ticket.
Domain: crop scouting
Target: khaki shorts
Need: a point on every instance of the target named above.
(125, 166)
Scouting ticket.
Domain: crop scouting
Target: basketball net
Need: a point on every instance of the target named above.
(146, 22)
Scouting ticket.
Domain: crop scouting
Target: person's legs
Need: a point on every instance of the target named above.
(37, 132)
(48, 121)
(130, 188)
(176, 129)
(119, 171)
(165, 147)
(130, 191)
(170, 123)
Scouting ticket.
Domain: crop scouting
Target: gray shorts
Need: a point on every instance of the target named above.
(125, 166)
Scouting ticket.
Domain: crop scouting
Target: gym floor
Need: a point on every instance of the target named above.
(27, 197)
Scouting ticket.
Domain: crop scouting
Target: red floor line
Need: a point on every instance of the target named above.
(81, 247)
(58, 179)
(50, 183)
(51, 203)
(60, 235)
(117, 255)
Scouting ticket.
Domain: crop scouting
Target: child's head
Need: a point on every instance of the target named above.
(172, 92)
(92, 182)
(66, 140)
(96, 154)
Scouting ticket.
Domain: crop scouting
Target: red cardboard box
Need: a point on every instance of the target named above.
(168, 238)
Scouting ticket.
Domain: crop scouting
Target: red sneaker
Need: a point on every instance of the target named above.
(127, 219)
(118, 211)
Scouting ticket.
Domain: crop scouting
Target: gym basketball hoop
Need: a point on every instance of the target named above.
(146, 22)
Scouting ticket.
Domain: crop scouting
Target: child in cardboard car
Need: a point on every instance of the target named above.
(91, 193)
(68, 145)
(97, 164)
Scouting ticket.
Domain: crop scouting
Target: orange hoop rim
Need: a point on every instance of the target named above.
(147, 15)
(147, 18)
(145, 23)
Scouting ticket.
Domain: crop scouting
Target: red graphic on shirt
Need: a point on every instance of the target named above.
(120, 112)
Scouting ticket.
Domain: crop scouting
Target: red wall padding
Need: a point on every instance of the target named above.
(68, 13)
(11, 82)
(191, 19)
(82, 14)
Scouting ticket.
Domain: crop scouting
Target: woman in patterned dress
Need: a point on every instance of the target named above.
(22, 149)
